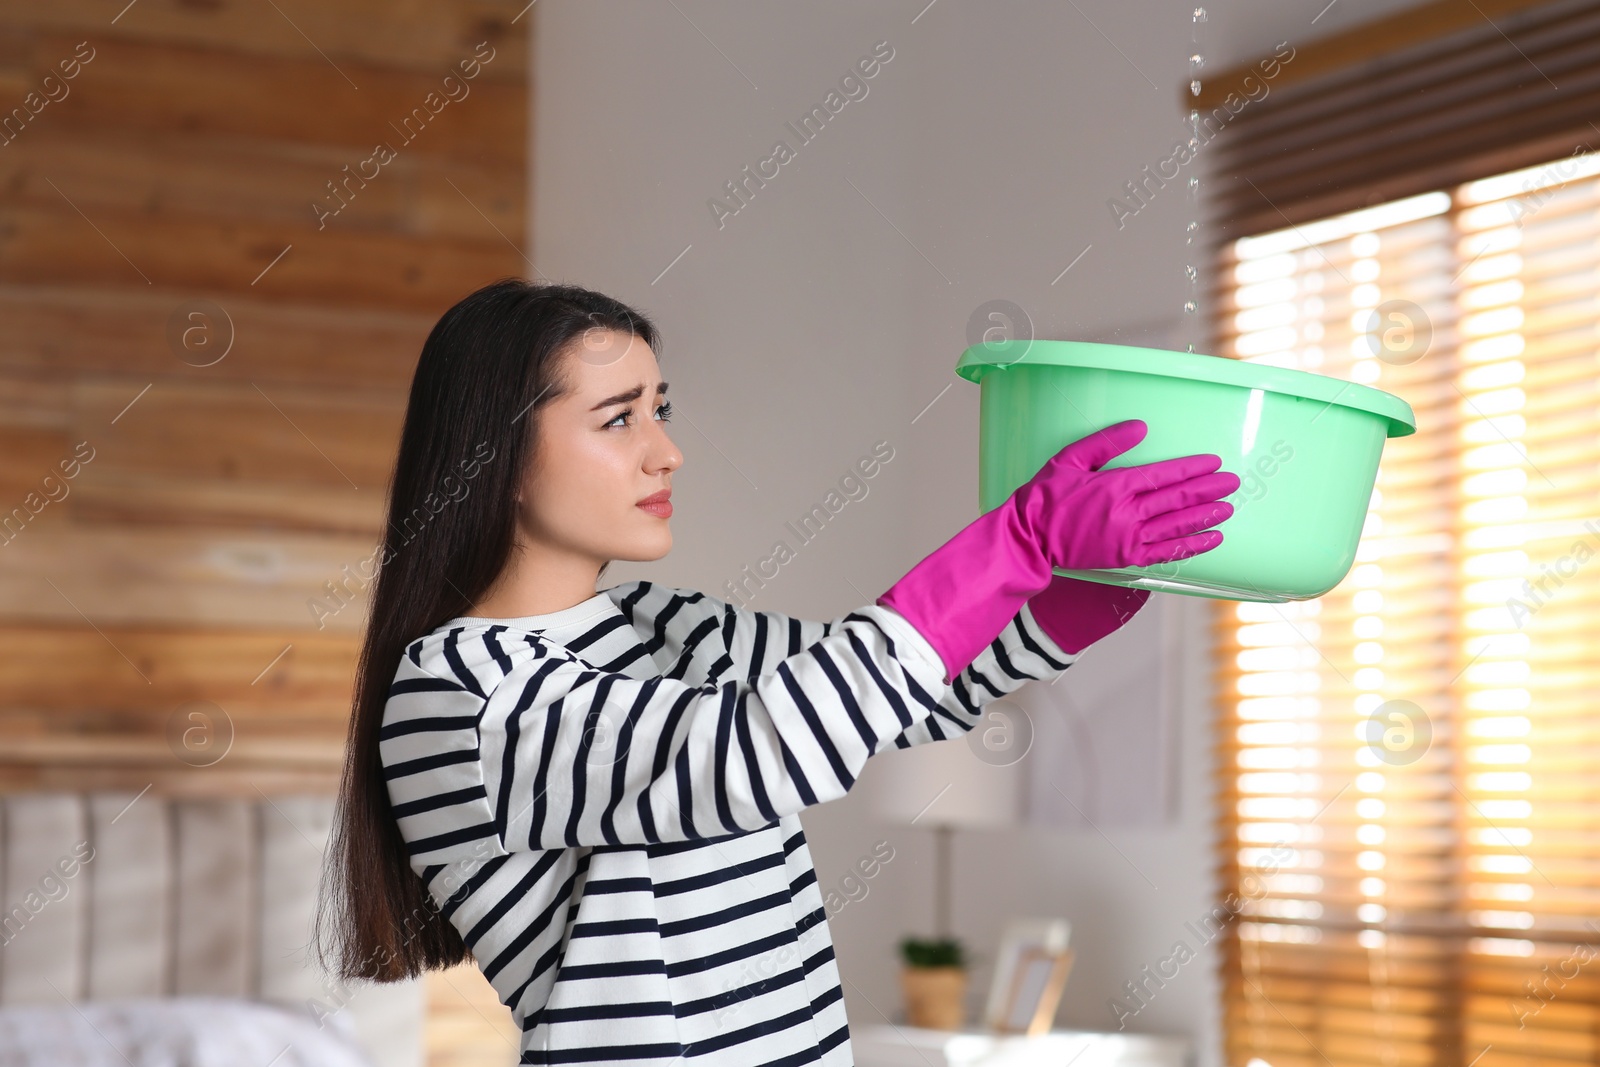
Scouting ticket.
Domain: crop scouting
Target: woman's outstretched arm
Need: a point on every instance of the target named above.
(567, 754)
(1023, 652)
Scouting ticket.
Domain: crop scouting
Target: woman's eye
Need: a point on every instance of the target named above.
(664, 411)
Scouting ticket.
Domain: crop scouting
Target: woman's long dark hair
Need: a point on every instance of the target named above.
(487, 368)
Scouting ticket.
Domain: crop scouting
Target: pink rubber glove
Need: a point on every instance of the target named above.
(1070, 514)
(1076, 613)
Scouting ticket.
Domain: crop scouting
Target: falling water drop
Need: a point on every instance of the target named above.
(1196, 62)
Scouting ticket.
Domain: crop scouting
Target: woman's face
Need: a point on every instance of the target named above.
(600, 450)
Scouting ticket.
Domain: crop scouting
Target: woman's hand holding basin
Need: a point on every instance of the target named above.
(1071, 514)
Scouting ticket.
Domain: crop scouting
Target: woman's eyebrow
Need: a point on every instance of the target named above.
(632, 394)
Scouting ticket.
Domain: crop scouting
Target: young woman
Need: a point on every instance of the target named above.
(596, 795)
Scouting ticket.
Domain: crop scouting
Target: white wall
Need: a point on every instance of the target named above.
(829, 312)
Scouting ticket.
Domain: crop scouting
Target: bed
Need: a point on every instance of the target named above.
(148, 931)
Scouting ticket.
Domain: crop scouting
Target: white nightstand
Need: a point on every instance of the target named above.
(910, 1046)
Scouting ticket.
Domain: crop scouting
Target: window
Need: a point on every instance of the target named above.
(1409, 766)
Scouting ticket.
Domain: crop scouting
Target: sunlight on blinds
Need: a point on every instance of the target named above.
(1409, 765)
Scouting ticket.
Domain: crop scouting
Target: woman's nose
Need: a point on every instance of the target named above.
(663, 452)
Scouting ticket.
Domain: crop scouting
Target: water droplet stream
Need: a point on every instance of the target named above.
(1196, 62)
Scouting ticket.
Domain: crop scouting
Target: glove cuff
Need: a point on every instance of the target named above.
(962, 595)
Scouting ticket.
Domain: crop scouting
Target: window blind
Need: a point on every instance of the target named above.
(1480, 88)
(1409, 765)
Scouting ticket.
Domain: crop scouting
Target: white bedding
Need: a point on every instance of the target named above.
(174, 1032)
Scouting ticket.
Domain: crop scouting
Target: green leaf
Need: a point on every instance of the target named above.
(932, 952)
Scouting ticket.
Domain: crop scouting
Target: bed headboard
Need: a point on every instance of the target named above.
(110, 894)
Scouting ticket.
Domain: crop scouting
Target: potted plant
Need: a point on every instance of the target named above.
(933, 975)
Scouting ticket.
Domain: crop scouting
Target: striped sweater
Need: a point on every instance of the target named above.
(605, 802)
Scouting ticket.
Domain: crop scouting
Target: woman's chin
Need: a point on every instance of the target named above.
(648, 548)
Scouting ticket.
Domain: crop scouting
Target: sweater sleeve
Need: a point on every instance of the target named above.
(575, 755)
(1022, 653)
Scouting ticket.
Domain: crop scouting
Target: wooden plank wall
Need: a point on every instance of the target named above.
(203, 373)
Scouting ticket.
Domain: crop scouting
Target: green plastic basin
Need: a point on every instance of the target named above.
(1305, 447)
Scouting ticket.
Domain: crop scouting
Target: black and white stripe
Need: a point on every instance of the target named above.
(605, 802)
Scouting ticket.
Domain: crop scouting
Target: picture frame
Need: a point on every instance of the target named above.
(1030, 974)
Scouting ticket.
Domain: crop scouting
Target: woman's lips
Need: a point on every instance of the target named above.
(657, 504)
